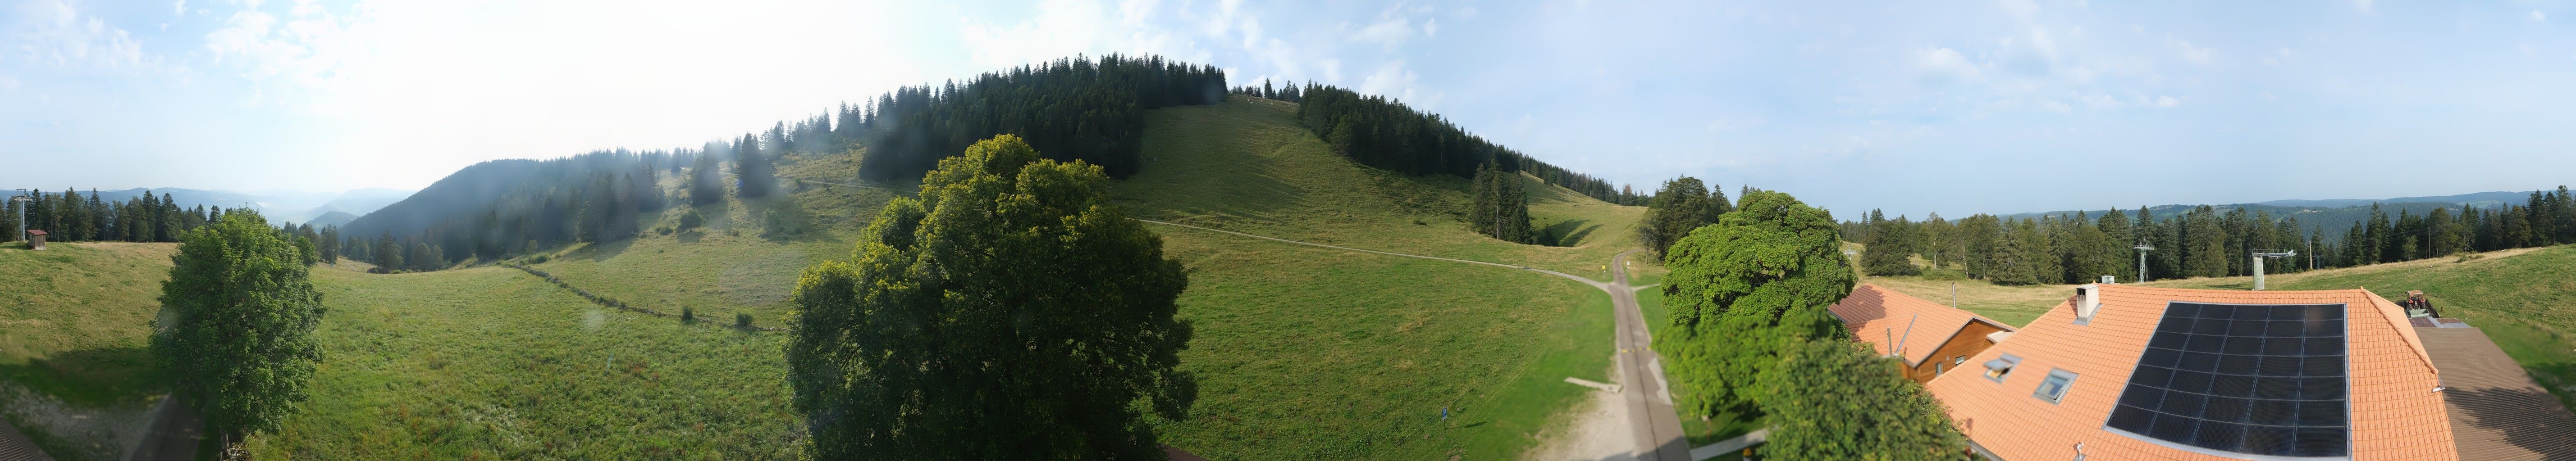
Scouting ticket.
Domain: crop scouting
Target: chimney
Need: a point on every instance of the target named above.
(2088, 301)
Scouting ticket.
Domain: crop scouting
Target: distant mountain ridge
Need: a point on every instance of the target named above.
(2332, 216)
(295, 207)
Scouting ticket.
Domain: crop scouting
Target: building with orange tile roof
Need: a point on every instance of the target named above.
(2122, 372)
(1919, 330)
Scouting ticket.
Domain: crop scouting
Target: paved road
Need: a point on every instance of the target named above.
(1657, 429)
(1650, 405)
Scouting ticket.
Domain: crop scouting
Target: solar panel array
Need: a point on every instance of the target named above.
(2262, 380)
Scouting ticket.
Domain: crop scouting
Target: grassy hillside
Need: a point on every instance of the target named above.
(1302, 352)
(493, 363)
(74, 326)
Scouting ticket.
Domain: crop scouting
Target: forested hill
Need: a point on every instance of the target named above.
(2334, 216)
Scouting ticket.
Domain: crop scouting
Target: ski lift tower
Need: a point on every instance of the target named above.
(22, 200)
(2142, 260)
(2259, 256)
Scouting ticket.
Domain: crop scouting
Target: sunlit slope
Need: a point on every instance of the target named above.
(731, 264)
(493, 363)
(1310, 353)
(1247, 166)
(2524, 299)
(1302, 352)
(75, 374)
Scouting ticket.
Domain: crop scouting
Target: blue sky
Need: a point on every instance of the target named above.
(1956, 107)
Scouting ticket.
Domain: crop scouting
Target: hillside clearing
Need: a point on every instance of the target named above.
(75, 374)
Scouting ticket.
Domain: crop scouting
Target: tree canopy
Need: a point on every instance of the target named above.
(239, 341)
(1011, 312)
(1378, 132)
(1742, 289)
(1838, 400)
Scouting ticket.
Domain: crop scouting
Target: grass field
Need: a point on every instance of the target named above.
(1303, 353)
(74, 326)
(493, 363)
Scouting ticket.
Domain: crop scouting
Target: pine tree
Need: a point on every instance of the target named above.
(1887, 248)
(706, 185)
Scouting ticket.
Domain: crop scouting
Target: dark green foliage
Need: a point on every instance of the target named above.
(1888, 244)
(1501, 207)
(487, 210)
(691, 220)
(688, 314)
(1681, 206)
(1837, 400)
(742, 320)
(1071, 109)
(1011, 312)
(1741, 290)
(242, 311)
(706, 179)
(1381, 133)
(70, 216)
(755, 169)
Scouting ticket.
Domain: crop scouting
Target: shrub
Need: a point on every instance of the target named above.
(742, 320)
(688, 315)
(691, 220)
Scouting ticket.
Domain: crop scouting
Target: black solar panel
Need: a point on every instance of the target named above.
(2263, 380)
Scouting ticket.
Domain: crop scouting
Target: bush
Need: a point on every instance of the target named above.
(742, 320)
(691, 220)
(688, 315)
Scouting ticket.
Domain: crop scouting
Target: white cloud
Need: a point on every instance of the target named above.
(2364, 5)
(1947, 65)
(2054, 106)
(53, 32)
(1431, 27)
(2019, 9)
(2195, 54)
(179, 9)
(1388, 32)
(2537, 16)
(1395, 81)
(1062, 28)
(2167, 101)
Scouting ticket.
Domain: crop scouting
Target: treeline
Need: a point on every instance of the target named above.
(1070, 109)
(496, 209)
(1287, 92)
(1378, 132)
(71, 216)
(2203, 242)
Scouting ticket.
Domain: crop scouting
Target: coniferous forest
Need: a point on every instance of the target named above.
(1070, 109)
(2202, 242)
(73, 216)
(1383, 133)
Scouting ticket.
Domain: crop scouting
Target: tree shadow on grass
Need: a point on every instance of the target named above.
(1570, 232)
(94, 377)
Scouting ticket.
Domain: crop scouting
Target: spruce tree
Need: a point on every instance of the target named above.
(1886, 247)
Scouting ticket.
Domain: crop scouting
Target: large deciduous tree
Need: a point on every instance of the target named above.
(1011, 312)
(1741, 290)
(1835, 400)
(239, 340)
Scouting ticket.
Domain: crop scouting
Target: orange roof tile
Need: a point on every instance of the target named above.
(1880, 316)
(2394, 413)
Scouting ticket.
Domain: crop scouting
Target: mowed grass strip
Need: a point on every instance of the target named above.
(493, 363)
(1307, 353)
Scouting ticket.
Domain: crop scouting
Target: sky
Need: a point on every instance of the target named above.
(1913, 107)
